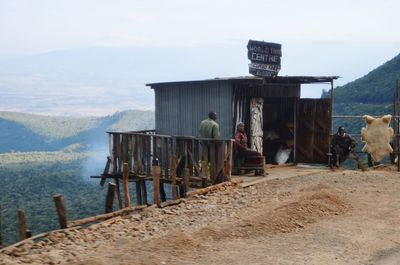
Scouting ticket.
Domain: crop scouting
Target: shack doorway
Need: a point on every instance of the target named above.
(278, 129)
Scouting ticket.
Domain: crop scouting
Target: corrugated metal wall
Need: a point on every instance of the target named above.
(181, 107)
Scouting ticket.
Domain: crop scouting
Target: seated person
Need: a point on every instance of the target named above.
(243, 153)
(342, 146)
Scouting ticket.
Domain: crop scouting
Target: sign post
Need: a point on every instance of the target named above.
(265, 58)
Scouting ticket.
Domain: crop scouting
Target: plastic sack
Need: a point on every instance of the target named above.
(282, 155)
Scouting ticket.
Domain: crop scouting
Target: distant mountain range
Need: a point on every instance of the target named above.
(22, 132)
(99, 81)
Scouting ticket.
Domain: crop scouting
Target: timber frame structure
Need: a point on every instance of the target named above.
(284, 119)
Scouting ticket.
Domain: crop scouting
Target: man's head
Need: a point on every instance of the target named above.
(240, 127)
(212, 115)
(341, 131)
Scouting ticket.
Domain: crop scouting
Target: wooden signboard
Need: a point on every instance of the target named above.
(265, 58)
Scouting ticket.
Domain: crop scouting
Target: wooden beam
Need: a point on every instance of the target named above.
(126, 185)
(106, 171)
(21, 224)
(186, 179)
(106, 216)
(45, 234)
(61, 211)
(156, 171)
(170, 203)
(110, 197)
(118, 191)
(174, 163)
(213, 187)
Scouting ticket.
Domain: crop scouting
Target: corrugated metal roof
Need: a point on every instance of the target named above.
(254, 79)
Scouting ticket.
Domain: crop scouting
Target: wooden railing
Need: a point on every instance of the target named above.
(205, 158)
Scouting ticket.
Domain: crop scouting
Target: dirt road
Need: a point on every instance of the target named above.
(342, 217)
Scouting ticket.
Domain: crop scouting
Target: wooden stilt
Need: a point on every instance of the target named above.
(110, 197)
(186, 175)
(118, 191)
(174, 162)
(156, 171)
(138, 185)
(61, 211)
(22, 224)
(162, 192)
(126, 185)
(144, 189)
(28, 233)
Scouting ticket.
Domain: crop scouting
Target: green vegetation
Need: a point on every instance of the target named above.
(51, 127)
(41, 156)
(31, 186)
(20, 132)
(377, 87)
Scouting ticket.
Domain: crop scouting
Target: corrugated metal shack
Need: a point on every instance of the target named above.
(287, 120)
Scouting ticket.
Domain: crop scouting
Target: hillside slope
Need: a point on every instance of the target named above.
(376, 87)
(24, 132)
(314, 217)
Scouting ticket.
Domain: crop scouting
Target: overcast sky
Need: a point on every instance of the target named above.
(28, 26)
(364, 33)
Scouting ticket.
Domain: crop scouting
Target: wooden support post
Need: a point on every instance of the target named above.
(126, 185)
(138, 186)
(118, 191)
(213, 161)
(110, 197)
(144, 189)
(105, 172)
(228, 159)
(156, 171)
(1, 230)
(22, 224)
(28, 233)
(186, 175)
(174, 162)
(61, 211)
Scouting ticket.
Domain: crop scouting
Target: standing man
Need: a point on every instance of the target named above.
(209, 128)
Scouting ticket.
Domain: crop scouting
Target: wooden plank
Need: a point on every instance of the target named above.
(213, 161)
(110, 197)
(114, 157)
(106, 216)
(212, 188)
(138, 186)
(174, 163)
(118, 191)
(126, 185)
(228, 159)
(186, 180)
(171, 203)
(21, 224)
(253, 182)
(106, 171)
(45, 234)
(156, 171)
(61, 211)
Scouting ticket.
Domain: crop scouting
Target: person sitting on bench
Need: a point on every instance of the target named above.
(246, 157)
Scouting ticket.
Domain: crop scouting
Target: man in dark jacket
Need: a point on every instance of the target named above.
(342, 146)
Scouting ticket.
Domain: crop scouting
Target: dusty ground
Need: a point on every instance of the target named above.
(323, 217)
